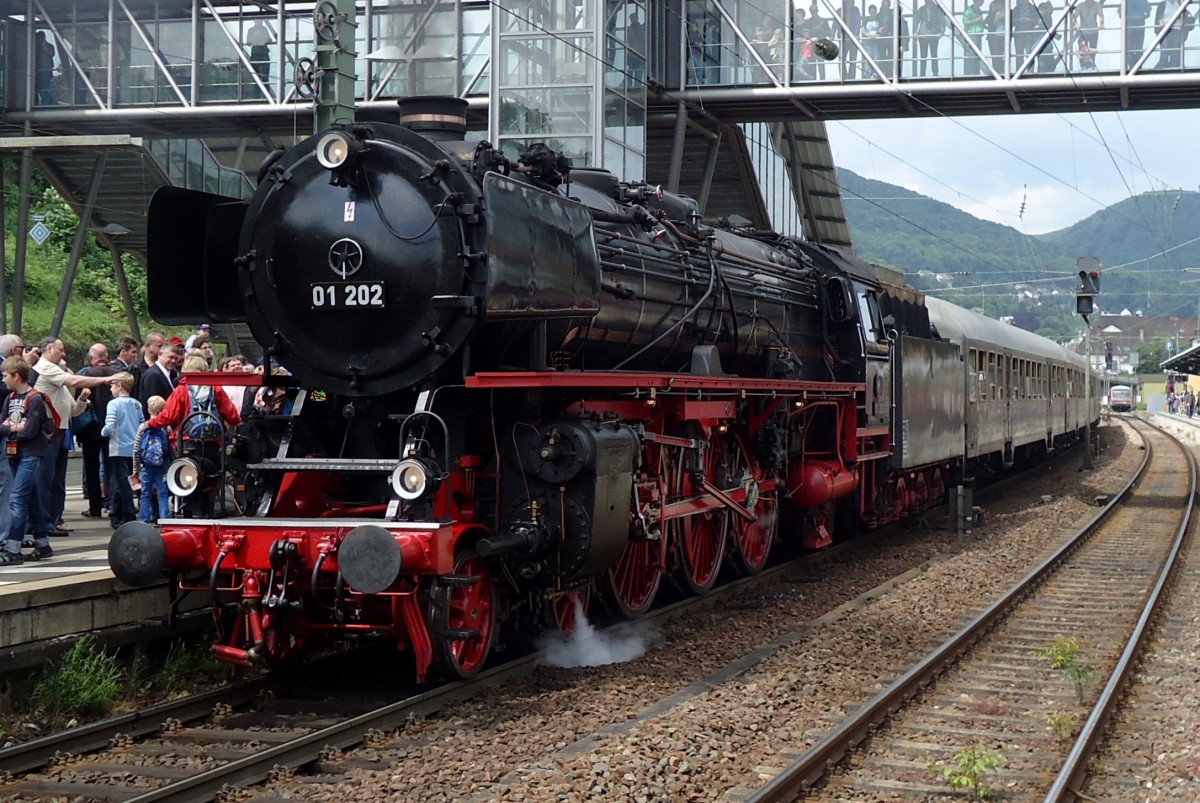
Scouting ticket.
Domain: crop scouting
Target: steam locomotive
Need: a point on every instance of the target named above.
(515, 388)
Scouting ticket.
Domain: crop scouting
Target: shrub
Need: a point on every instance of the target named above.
(969, 769)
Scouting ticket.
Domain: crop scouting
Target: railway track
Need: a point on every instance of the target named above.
(987, 690)
(197, 752)
(192, 749)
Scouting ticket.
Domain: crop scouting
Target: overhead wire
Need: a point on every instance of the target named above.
(671, 96)
(1074, 187)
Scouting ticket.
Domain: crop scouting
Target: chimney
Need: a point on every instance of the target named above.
(439, 117)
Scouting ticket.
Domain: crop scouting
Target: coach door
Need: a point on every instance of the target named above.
(1061, 407)
(1011, 410)
(974, 378)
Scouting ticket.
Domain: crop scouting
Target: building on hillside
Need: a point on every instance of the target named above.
(1127, 332)
(1124, 333)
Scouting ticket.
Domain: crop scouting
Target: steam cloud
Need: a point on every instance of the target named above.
(587, 647)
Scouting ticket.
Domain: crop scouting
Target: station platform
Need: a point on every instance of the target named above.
(73, 592)
(1178, 424)
(85, 550)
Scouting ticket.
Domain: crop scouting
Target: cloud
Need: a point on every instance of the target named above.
(1066, 166)
(1046, 208)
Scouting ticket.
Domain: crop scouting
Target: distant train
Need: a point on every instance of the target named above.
(516, 383)
(1120, 398)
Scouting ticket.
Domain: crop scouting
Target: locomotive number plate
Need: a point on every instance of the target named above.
(344, 295)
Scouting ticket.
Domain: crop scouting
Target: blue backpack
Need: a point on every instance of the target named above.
(203, 422)
(153, 448)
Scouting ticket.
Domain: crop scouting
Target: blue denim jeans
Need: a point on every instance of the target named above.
(154, 484)
(27, 503)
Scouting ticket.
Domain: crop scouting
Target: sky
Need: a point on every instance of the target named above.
(1063, 167)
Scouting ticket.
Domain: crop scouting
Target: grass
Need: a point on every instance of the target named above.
(84, 682)
(87, 683)
(186, 667)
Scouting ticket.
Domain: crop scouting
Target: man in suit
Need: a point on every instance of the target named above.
(151, 347)
(127, 354)
(160, 378)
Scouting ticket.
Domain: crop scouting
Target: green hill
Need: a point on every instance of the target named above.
(915, 232)
(1143, 242)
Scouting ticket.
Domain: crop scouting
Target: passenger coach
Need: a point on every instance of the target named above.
(1024, 393)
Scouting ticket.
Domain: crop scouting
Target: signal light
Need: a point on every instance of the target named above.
(1089, 285)
(1089, 282)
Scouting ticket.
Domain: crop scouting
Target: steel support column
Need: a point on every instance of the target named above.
(710, 167)
(123, 289)
(85, 215)
(335, 72)
(18, 293)
(681, 121)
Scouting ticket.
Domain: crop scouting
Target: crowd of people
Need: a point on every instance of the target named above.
(978, 37)
(1182, 403)
(128, 415)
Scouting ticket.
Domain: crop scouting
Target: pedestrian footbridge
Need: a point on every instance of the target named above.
(723, 99)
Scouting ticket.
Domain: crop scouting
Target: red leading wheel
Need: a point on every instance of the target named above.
(564, 610)
(701, 538)
(750, 541)
(631, 583)
(462, 616)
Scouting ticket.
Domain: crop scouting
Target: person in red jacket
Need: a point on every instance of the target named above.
(198, 415)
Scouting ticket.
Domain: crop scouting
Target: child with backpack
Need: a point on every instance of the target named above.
(151, 456)
(199, 414)
(121, 424)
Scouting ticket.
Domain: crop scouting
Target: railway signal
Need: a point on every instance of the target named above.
(1089, 285)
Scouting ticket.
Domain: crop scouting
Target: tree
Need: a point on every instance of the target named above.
(1151, 355)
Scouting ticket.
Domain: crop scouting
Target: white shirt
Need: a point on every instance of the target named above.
(52, 380)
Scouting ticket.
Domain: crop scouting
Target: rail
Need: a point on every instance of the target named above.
(1074, 771)
(812, 766)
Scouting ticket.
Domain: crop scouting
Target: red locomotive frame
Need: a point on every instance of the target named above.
(682, 516)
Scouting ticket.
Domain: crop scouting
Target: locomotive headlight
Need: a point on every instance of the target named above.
(334, 150)
(415, 477)
(184, 477)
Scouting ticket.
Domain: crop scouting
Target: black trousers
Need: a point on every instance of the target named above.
(95, 453)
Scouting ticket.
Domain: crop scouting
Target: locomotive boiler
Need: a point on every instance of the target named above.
(513, 384)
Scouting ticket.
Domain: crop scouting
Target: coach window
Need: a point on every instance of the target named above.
(977, 378)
